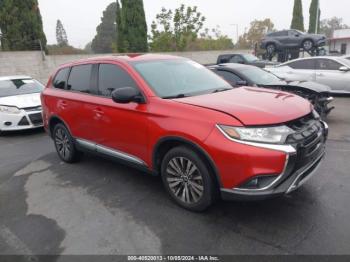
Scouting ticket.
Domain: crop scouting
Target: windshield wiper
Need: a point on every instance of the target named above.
(222, 89)
(175, 96)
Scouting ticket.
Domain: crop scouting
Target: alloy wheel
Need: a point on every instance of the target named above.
(62, 143)
(308, 45)
(185, 180)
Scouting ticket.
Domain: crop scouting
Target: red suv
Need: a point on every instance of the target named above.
(173, 117)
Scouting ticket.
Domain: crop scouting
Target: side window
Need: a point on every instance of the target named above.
(112, 77)
(303, 64)
(229, 77)
(80, 78)
(327, 64)
(279, 34)
(236, 59)
(61, 78)
(293, 33)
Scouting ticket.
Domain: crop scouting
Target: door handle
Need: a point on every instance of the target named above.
(62, 104)
(98, 111)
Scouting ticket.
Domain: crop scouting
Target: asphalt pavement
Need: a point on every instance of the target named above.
(101, 207)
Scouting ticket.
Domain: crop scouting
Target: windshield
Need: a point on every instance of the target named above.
(261, 77)
(250, 58)
(179, 77)
(19, 87)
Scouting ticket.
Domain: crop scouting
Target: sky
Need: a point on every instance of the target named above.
(81, 17)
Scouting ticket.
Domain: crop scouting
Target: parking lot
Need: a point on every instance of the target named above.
(101, 207)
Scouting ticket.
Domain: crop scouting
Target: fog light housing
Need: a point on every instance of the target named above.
(258, 183)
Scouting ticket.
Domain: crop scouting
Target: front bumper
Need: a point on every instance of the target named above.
(26, 119)
(291, 181)
(300, 166)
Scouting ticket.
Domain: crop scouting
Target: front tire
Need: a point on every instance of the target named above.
(187, 179)
(65, 145)
(308, 45)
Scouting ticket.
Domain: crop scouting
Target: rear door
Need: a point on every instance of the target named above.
(75, 104)
(294, 38)
(122, 129)
(301, 70)
(328, 73)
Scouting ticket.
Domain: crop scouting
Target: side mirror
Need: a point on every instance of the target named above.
(344, 69)
(127, 95)
(297, 35)
(241, 83)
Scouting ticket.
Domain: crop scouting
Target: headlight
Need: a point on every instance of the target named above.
(271, 135)
(9, 110)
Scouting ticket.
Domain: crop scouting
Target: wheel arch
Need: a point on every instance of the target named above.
(167, 143)
(53, 121)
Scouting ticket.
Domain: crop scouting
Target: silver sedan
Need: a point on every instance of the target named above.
(331, 71)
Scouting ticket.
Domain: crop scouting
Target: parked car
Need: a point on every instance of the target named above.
(20, 105)
(331, 71)
(246, 59)
(245, 75)
(346, 57)
(291, 39)
(175, 118)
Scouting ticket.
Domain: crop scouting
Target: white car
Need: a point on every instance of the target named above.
(20, 104)
(346, 57)
(331, 71)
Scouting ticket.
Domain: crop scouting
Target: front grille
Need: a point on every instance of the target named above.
(308, 139)
(36, 119)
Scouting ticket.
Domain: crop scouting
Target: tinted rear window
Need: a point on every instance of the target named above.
(79, 78)
(229, 77)
(61, 78)
(19, 87)
(303, 64)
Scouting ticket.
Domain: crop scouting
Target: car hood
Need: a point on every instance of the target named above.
(21, 101)
(254, 106)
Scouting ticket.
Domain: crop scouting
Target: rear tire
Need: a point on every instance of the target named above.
(270, 49)
(65, 145)
(187, 179)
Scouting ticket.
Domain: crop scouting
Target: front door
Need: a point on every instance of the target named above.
(328, 73)
(122, 129)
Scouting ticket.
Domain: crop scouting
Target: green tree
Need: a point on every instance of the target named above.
(176, 30)
(105, 38)
(328, 26)
(298, 18)
(258, 29)
(132, 26)
(315, 15)
(21, 25)
(61, 35)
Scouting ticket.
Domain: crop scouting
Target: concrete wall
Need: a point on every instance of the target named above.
(31, 63)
